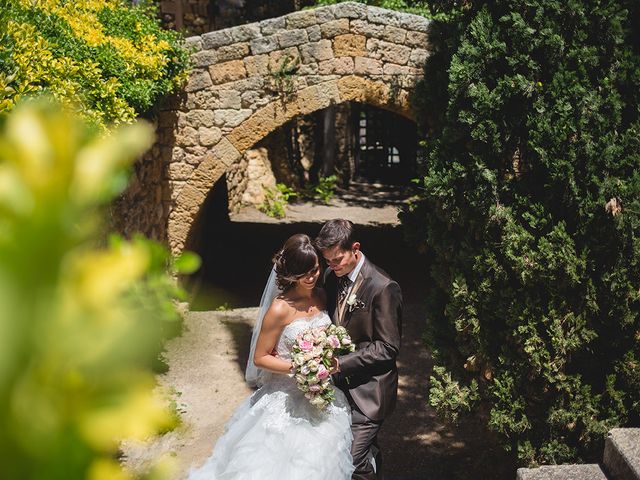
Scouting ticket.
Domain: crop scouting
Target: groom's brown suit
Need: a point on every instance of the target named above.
(368, 376)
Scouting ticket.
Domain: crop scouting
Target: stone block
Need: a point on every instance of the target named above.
(245, 33)
(257, 65)
(418, 57)
(314, 52)
(224, 152)
(324, 14)
(622, 453)
(358, 89)
(562, 472)
(335, 27)
(180, 171)
(193, 44)
(417, 39)
(328, 93)
(314, 33)
(264, 45)
(174, 187)
(367, 66)
(209, 136)
(415, 22)
(227, 71)
(217, 38)
(394, 34)
(272, 25)
(200, 118)
(390, 52)
(363, 27)
(384, 16)
(349, 45)
(350, 10)
(207, 101)
(231, 118)
(251, 83)
(258, 126)
(253, 100)
(197, 150)
(301, 19)
(337, 66)
(291, 38)
(177, 154)
(307, 69)
(204, 58)
(317, 79)
(401, 70)
(232, 52)
(279, 58)
(373, 48)
(187, 136)
(198, 80)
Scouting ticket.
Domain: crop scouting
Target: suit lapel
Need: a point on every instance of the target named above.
(331, 284)
(361, 279)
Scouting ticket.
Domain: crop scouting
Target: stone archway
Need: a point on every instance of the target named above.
(250, 79)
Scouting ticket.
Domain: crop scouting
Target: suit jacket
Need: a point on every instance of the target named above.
(369, 375)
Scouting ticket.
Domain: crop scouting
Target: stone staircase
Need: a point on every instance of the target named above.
(621, 461)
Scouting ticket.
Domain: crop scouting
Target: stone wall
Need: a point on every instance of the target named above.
(239, 92)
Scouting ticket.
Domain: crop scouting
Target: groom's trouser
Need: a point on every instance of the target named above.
(365, 437)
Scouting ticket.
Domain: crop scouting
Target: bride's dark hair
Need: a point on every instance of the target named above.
(297, 257)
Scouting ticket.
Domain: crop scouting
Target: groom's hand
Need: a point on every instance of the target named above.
(335, 366)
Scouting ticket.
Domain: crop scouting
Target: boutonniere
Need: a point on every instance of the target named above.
(354, 303)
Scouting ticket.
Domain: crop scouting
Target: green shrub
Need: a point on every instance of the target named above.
(275, 200)
(107, 60)
(530, 207)
(82, 320)
(323, 191)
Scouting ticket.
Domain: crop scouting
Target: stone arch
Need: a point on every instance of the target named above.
(251, 79)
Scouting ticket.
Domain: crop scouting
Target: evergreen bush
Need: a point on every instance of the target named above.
(108, 60)
(530, 207)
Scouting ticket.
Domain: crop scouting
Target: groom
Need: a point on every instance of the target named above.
(364, 300)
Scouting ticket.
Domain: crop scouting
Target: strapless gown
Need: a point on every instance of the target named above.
(277, 434)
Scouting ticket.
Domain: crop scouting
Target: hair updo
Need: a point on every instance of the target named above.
(297, 257)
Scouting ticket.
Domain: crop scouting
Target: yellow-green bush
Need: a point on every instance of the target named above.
(108, 60)
(81, 322)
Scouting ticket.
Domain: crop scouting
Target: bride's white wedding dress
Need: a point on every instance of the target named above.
(277, 434)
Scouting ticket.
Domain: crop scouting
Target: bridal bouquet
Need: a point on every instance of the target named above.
(312, 354)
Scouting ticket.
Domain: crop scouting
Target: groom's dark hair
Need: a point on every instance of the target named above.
(336, 232)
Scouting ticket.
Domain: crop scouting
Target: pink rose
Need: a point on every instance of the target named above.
(315, 388)
(322, 372)
(306, 345)
(333, 341)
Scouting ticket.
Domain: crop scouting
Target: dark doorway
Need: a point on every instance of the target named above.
(386, 146)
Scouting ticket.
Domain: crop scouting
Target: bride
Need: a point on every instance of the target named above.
(276, 433)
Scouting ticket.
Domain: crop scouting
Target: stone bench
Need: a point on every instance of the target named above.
(621, 461)
(622, 454)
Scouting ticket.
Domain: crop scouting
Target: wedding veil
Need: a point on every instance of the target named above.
(254, 375)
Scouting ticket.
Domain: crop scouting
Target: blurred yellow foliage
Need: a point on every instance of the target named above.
(81, 322)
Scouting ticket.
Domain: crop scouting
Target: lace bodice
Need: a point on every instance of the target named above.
(291, 331)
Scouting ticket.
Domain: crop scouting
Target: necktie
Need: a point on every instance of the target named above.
(343, 288)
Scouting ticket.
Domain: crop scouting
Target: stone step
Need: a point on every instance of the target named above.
(622, 454)
(562, 472)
